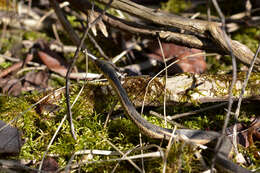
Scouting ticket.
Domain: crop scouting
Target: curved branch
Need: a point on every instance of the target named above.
(205, 35)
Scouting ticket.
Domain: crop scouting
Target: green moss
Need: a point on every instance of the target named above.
(248, 36)
(38, 130)
(34, 35)
(176, 6)
(5, 64)
(9, 40)
(181, 157)
(73, 21)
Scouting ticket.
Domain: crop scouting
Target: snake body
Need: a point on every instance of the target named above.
(157, 132)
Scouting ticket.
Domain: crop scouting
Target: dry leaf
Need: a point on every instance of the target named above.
(92, 17)
(187, 61)
(10, 139)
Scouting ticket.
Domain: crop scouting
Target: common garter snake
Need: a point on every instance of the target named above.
(157, 132)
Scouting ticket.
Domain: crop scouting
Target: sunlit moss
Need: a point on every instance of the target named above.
(34, 35)
(248, 36)
(176, 6)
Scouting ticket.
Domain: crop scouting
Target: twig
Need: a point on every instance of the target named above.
(166, 75)
(56, 132)
(146, 90)
(241, 98)
(80, 44)
(98, 47)
(124, 52)
(195, 112)
(17, 65)
(214, 40)
(167, 119)
(234, 77)
(109, 114)
(124, 155)
(62, 5)
(168, 149)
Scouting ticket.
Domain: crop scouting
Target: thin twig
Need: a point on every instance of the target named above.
(234, 77)
(56, 132)
(98, 47)
(167, 119)
(195, 112)
(80, 44)
(150, 81)
(166, 75)
(124, 155)
(241, 98)
(168, 149)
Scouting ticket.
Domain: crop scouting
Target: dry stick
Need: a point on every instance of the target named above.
(146, 90)
(17, 60)
(55, 32)
(43, 67)
(68, 27)
(166, 75)
(13, 59)
(208, 10)
(158, 16)
(109, 114)
(156, 154)
(164, 34)
(62, 5)
(198, 27)
(76, 40)
(71, 33)
(195, 112)
(98, 47)
(114, 169)
(141, 144)
(75, 57)
(234, 77)
(124, 154)
(104, 152)
(56, 132)
(168, 149)
(73, 63)
(241, 97)
(17, 65)
(214, 40)
(167, 119)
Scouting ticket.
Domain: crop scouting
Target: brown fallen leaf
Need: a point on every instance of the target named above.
(51, 59)
(172, 52)
(10, 139)
(247, 135)
(50, 165)
(31, 81)
(38, 79)
(16, 66)
(57, 64)
(11, 86)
